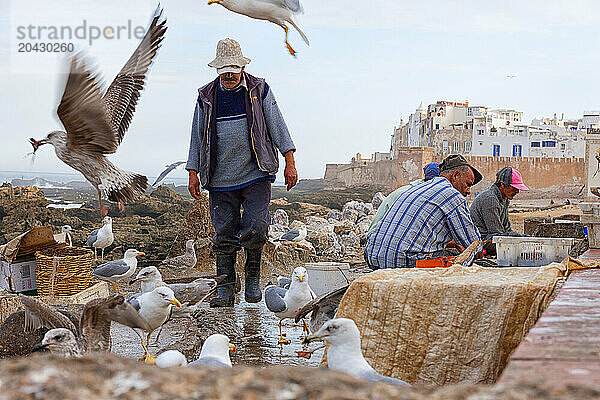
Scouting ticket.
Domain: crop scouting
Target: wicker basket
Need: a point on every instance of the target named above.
(63, 271)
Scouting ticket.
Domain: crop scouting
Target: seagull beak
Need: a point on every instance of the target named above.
(175, 302)
(213, 2)
(313, 338)
(139, 253)
(232, 347)
(39, 347)
(300, 277)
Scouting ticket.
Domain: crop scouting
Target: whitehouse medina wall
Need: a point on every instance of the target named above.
(538, 173)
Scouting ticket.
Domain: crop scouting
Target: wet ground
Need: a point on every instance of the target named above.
(251, 327)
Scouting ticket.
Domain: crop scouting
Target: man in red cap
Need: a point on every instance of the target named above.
(489, 210)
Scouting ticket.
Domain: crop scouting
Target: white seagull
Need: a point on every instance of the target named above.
(66, 229)
(344, 353)
(295, 235)
(276, 11)
(96, 120)
(171, 358)
(101, 238)
(154, 307)
(167, 171)
(117, 270)
(285, 303)
(215, 352)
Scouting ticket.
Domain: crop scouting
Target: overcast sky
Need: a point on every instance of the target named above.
(368, 65)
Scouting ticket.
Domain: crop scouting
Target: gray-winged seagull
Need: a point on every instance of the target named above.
(167, 171)
(295, 235)
(154, 307)
(96, 120)
(344, 353)
(276, 11)
(285, 303)
(101, 238)
(117, 270)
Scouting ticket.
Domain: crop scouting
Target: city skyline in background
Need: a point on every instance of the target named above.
(368, 67)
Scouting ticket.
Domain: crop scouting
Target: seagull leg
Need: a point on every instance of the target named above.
(117, 286)
(102, 256)
(95, 254)
(149, 359)
(103, 209)
(305, 329)
(289, 47)
(281, 339)
(143, 346)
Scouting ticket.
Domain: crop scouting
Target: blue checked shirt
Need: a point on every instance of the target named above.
(421, 221)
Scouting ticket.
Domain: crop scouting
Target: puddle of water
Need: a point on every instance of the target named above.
(254, 321)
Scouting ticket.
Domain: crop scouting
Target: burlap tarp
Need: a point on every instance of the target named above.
(444, 326)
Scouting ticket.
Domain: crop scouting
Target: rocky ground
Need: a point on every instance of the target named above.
(103, 376)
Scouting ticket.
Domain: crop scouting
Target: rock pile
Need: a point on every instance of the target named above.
(338, 234)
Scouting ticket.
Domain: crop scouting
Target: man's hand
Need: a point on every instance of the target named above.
(453, 245)
(290, 173)
(194, 185)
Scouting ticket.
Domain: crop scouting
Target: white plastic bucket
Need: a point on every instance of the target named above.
(323, 277)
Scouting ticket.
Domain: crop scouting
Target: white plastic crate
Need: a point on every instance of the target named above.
(531, 251)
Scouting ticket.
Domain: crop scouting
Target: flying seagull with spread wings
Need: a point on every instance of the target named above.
(167, 171)
(96, 121)
(276, 11)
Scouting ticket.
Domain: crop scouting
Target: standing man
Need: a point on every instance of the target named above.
(489, 210)
(426, 219)
(236, 132)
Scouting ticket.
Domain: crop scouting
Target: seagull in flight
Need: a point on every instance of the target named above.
(276, 11)
(96, 121)
(167, 171)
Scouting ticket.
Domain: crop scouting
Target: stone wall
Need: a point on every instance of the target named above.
(537, 173)
(389, 174)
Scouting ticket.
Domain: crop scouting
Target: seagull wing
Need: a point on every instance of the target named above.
(290, 236)
(322, 304)
(284, 282)
(95, 322)
(127, 314)
(167, 171)
(209, 362)
(111, 268)
(274, 298)
(92, 237)
(123, 93)
(292, 5)
(82, 112)
(39, 314)
(374, 376)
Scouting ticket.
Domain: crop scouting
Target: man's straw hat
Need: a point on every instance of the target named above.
(229, 53)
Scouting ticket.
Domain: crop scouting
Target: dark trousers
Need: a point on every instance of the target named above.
(233, 229)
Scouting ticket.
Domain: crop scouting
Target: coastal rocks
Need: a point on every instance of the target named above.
(335, 215)
(354, 210)
(377, 200)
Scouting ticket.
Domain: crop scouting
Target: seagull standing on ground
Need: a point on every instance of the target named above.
(150, 278)
(96, 121)
(285, 303)
(295, 235)
(117, 270)
(154, 307)
(344, 353)
(276, 11)
(101, 238)
(186, 260)
(167, 171)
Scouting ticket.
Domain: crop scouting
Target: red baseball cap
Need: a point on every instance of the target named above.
(512, 177)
